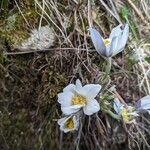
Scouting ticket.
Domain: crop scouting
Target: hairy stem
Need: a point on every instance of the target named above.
(112, 114)
(108, 68)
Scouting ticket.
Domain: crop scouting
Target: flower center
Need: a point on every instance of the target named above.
(69, 123)
(78, 100)
(125, 115)
(106, 41)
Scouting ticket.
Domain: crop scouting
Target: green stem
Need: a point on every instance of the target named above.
(112, 114)
(108, 68)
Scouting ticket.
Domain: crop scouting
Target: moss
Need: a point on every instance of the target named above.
(147, 59)
(14, 29)
(52, 83)
(130, 63)
(27, 118)
(21, 61)
(1, 57)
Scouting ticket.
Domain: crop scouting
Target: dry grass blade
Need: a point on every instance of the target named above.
(143, 69)
(109, 10)
(139, 13)
(49, 17)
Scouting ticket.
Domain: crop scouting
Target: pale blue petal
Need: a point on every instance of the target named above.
(97, 41)
(124, 38)
(117, 105)
(144, 103)
(114, 45)
(110, 49)
(108, 52)
(115, 32)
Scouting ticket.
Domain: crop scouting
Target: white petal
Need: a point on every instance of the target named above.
(91, 107)
(65, 130)
(76, 122)
(65, 98)
(71, 109)
(62, 121)
(144, 103)
(97, 41)
(117, 105)
(124, 38)
(70, 87)
(78, 84)
(115, 32)
(90, 91)
(134, 114)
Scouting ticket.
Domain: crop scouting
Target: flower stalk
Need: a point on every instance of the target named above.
(107, 68)
(113, 115)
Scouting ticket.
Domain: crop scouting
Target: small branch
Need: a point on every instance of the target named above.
(89, 14)
(120, 98)
(44, 50)
(142, 135)
(21, 13)
(114, 9)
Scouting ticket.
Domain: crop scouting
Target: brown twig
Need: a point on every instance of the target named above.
(110, 11)
(89, 14)
(139, 13)
(44, 50)
(119, 97)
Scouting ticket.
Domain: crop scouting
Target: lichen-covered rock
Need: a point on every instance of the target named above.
(41, 38)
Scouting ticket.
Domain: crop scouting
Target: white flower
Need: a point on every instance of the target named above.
(75, 96)
(144, 104)
(127, 113)
(69, 123)
(114, 44)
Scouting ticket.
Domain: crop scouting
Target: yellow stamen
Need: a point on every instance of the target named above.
(69, 123)
(125, 115)
(106, 41)
(78, 100)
